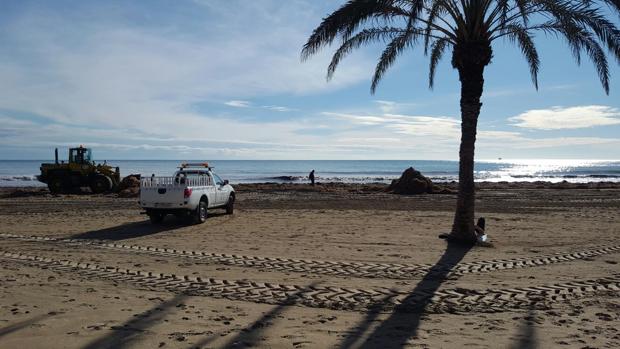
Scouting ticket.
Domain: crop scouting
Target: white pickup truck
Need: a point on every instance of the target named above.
(190, 193)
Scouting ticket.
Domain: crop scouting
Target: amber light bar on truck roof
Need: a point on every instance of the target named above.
(195, 164)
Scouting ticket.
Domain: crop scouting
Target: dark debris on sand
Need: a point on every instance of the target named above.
(131, 188)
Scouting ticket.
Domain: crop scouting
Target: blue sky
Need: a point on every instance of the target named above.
(223, 80)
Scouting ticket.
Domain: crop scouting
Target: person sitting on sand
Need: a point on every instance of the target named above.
(479, 228)
(481, 236)
(311, 177)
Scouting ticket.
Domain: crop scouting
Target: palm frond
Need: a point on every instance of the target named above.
(521, 36)
(362, 38)
(436, 11)
(523, 10)
(437, 51)
(597, 56)
(346, 20)
(583, 14)
(499, 13)
(580, 39)
(614, 4)
(393, 50)
(604, 29)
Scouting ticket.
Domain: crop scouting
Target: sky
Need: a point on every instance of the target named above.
(202, 79)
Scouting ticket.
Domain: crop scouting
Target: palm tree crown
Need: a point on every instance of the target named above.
(468, 27)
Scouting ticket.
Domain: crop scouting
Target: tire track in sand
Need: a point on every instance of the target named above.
(337, 298)
(337, 268)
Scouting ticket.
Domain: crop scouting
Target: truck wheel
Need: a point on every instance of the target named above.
(56, 185)
(100, 184)
(156, 217)
(200, 216)
(230, 206)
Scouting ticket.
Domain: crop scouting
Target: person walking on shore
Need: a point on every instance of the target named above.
(311, 177)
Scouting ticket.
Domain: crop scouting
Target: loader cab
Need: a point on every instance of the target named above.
(80, 155)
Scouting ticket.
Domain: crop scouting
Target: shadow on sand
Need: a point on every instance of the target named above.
(139, 229)
(403, 323)
(249, 336)
(131, 331)
(527, 333)
(21, 325)
(127, 231)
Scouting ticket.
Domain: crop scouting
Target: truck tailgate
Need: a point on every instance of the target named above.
(165, 196)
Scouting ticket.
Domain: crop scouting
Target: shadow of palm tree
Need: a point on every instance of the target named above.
(250, 335)
(527, 333)
(23, 324)
(132, 330)
(403, 323)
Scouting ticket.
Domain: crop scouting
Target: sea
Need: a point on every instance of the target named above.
(20, 173)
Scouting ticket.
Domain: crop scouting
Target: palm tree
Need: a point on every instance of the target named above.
(469, 28)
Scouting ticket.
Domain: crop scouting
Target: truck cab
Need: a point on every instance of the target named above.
(189, 192)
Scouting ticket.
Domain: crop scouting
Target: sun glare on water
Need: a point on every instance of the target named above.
(551, 170)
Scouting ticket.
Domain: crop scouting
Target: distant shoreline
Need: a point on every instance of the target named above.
(24, 173)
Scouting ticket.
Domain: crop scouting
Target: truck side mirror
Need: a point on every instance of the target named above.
(225, 181)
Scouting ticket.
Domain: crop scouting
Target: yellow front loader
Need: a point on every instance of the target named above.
(79, 171)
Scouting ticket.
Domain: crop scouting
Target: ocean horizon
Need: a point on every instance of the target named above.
(20, 173)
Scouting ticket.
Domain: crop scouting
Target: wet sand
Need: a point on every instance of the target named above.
(331, 266)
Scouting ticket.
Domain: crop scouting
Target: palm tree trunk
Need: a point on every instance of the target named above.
(472, 81)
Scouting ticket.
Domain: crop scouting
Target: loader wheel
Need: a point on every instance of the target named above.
(230, 206)
(200, 216)
(56, 185)
(100, 184)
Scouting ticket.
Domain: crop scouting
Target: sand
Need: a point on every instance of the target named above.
(333, 266)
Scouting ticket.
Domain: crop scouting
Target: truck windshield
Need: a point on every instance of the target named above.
(218, 180)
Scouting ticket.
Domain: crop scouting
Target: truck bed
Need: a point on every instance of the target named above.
(169, 192)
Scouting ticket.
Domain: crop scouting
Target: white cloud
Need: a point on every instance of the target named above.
(442, 134)
(445, 127)
(238, 104)
(516, 140)
(564, 141)
(557, 118)
(358, 119)
(114, 82)
(386, 106)
(375, 140)
(499, 135)
(277, 108)
(406, 124)
(110, 73)
(247, 104)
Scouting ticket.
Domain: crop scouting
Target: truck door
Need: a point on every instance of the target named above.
(222, 194)
(212, 192)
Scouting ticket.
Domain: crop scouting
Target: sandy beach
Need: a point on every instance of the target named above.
(331, 266)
